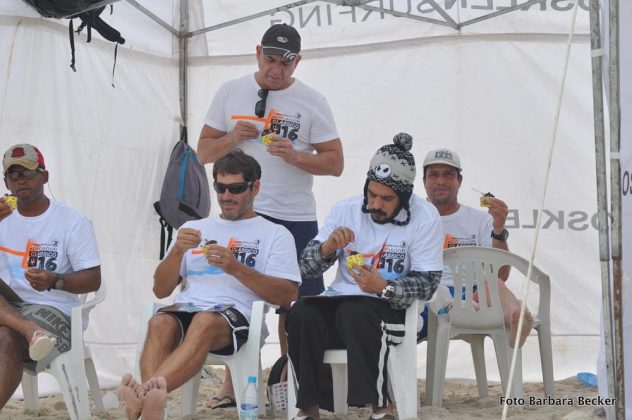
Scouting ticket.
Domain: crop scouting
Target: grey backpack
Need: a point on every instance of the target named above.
(185, 191)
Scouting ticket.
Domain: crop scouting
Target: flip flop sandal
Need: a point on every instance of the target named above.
(383, 416)
(41, 345)
(230, 403)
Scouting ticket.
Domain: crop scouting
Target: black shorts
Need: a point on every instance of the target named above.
(236, 321)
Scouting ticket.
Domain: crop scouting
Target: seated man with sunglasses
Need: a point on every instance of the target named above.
(289, 128)
(48, 256)
(225, 263)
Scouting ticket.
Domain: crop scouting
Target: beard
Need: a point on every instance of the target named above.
(383, 217)
(237, 212)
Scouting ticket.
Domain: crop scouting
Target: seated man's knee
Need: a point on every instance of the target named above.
(11, 342)
(209, 324)
(300, 313)
(352, 308)
(161, 324)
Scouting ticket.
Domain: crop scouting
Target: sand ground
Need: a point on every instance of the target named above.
(461, 401)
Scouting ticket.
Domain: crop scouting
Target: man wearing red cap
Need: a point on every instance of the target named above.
(48, 256)
(289, 128)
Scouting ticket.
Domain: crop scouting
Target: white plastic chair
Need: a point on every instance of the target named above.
(402, 372)
(477, 266)
(246, 362)
(71, 368)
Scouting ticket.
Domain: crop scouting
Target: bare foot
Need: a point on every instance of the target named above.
(313, 412)
(128, 393)
(527, 324)
(155, 399)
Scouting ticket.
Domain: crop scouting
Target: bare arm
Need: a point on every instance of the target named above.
(167, 274)
(82, 281)
(5, 208)
(327, 160)
(214, 143)
(275, 290)
(499, 210)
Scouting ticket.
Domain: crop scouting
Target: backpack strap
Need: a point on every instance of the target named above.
(166, 235)
(71, 34)
(183, 134)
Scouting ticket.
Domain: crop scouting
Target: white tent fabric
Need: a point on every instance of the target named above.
(488, 91)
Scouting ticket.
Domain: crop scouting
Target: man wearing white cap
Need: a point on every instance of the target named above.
(466, 226)
(48, 256)
(290, 129)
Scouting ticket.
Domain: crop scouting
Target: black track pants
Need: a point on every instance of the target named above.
(365, 326)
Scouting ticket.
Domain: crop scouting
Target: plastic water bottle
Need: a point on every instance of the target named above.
(248, 409)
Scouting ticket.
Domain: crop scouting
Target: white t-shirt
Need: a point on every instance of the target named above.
(60, 240)
(393, 250)
(465, 227)
(302, 115)
(260, 244)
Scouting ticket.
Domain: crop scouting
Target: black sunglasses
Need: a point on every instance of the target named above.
(260, 106)
(26, 173)
(234, 188)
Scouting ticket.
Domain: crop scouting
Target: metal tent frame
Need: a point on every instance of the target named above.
(609, 236)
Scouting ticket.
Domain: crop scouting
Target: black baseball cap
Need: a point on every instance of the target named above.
(281, 39)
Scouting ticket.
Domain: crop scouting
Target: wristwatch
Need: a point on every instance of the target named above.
(502, 237)
(387, 292)
(59, 283)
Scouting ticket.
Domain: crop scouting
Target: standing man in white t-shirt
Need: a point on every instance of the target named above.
(387, 243)
(290, 129)
(466, 226)
(225, 262)
(48, 256)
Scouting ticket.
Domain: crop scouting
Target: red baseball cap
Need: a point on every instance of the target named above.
(24, 155)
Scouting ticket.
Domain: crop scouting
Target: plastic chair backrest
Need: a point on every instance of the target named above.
(487, 261)
(473, 272)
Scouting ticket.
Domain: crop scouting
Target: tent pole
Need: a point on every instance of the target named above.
(602, 190)
(499, 13)
(615, 200)
(449, 21)
(152, 16)
(183, 43)
(249, 17)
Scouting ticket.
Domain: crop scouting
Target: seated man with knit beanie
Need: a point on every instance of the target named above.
(388, 247)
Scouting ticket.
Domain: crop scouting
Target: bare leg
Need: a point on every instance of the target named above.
(13, 320)
(282, 333)
(225, 391)
(510, 306)
(527, 324)
(128, 392)
(12, 348)
(208, 331)
(163, 336)
(389, 409)
(155, 399)
(511, 312)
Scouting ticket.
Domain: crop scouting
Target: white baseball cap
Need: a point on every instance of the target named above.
(444, 156)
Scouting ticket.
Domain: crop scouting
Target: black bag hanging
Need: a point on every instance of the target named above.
(88, 11)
